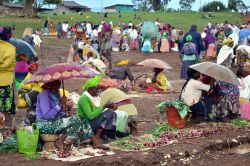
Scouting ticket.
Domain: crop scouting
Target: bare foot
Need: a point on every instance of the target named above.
(101, 146)
(59, 142)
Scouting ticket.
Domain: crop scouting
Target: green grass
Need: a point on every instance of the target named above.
(183, 20)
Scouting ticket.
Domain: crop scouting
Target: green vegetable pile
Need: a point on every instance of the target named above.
(137, 143)
(239, 122)
(159, 129)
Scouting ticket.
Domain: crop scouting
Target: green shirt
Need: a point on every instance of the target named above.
(86, 109)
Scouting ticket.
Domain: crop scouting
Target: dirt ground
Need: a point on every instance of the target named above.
(203, 151)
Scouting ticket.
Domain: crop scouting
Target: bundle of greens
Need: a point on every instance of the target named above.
(239, 122)
(181, 107)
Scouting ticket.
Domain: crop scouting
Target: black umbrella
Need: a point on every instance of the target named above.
(23, 47)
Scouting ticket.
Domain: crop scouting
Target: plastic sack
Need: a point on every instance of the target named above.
(27, 140)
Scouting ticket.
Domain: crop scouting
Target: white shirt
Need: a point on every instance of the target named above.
(133, 34)
(191, 94)
(37, 40)
(95, 33)
(65, 27)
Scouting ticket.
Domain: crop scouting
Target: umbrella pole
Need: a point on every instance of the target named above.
(41, 52)
(65, 106)
(63, 88)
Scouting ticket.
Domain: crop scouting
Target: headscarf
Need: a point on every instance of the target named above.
(106, 27)
(107, 82)
(91, 83)
(33, 66)
(228, 41)
(189, 38)
(122, 62)
(23, 57)
(5, 33)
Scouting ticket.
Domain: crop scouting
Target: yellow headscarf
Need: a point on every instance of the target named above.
(122, 62)
(228, 41)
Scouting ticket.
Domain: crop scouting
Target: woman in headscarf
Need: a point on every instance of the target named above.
(220, 39)
(133, 45)
(188, 56)
(7, 68)
(21, 69)
(117, 99)
(226, 53)
(51, 118)
(210, 41)
(158, 83)
(52, 28)
(89, 107)
(164, 40)
(105, 44)
(121, 73)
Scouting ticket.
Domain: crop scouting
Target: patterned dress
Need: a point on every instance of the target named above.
(228, 105)
(7, 104)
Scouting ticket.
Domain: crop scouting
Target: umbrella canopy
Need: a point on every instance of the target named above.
(149, 30)
(62, 71)
(23, 47)
(216, 71)
(243, 34)
(156, 63)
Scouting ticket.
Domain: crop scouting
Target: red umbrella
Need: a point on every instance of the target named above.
(156, 63)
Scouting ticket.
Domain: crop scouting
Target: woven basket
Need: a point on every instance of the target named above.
(49, 137)
(174, 118)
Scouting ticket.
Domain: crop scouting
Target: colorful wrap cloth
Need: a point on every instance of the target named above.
(73, 127)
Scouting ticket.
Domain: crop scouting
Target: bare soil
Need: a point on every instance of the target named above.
(205, 151)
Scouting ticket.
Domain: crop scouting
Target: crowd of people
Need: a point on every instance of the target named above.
(104, 104)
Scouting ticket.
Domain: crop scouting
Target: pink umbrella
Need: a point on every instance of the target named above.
(156, 63)
(62, 71)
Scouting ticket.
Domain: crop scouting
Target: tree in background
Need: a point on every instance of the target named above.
(142, 5)
(31, 6)
(186, 4)
(214, 6)
(236, 5)
(157, 5)
(148, 5)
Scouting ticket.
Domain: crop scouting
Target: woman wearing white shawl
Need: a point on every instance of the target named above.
(226, 54)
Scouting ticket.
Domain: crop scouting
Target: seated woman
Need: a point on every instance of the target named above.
(28, 92)
(159, 82)
(121, 73)
(51, 118)
(228, 101)
(31, 86)
(113, 97)
(100, 120)
(192, 95)
(21, 69)
(98, 64)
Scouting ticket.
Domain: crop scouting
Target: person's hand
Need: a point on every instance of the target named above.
(63, 100)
